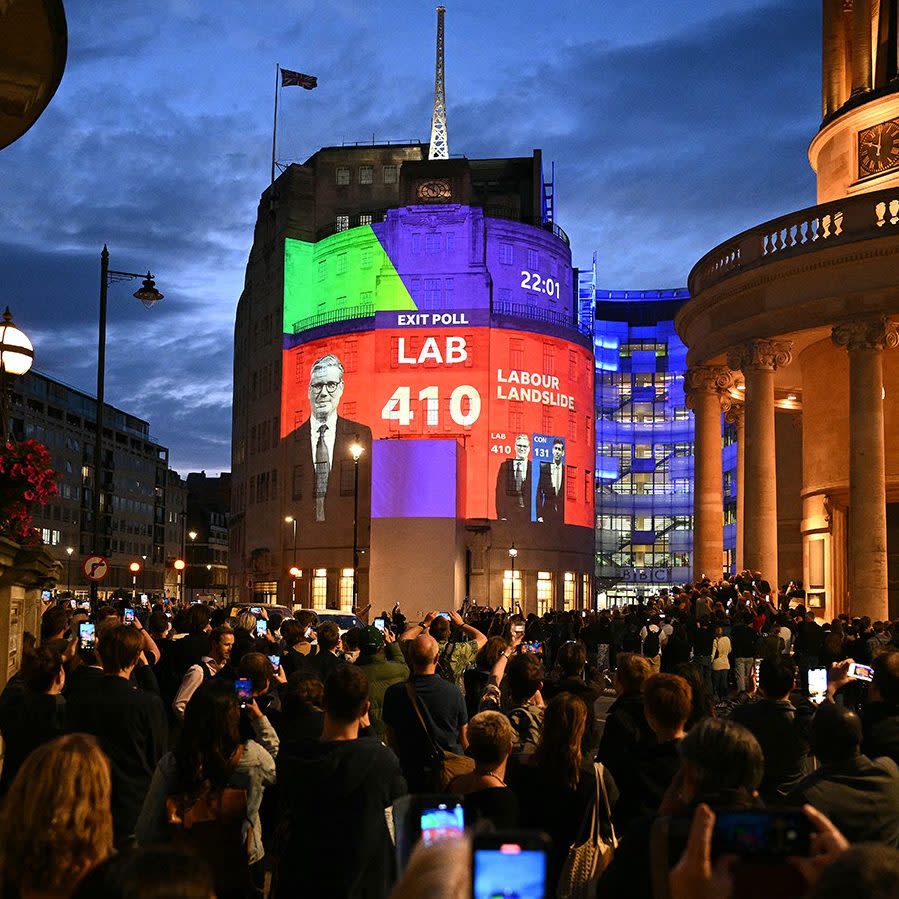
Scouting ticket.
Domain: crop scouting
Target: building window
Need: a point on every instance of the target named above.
(346, 590)
(341, 264)
(365, 174)
(342, 223)
(511, 589)
(416, 244)
(587, 597)
(533, 260)
(365, 258)
(505, 253)
(365, 218)
(571, 482)
(432, 293)
(544, 592)
(343, 176)
(516, 353)
(433, 244)
(320, 588)
(505, 294)
(549, 359)
(390, 172)
(569, 599)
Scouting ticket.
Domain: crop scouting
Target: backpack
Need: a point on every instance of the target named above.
(651, 644)
(445, 663)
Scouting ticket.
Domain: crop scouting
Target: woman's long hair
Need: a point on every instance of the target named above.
(57, 820)
(204, 755)
(559, 751)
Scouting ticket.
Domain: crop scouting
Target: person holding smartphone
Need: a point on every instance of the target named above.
(221, 645)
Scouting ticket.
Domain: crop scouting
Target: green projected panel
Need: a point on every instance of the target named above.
(347, 275)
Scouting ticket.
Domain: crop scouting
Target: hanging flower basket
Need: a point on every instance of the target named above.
(27, 480)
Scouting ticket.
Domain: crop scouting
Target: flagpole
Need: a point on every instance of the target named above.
(275, 125)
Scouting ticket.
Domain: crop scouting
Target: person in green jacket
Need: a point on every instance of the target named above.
(382, 660)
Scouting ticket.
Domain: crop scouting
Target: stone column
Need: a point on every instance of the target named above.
(862, 79)
(706, 388)
(758, 361)
(735, 416)
(865, 339)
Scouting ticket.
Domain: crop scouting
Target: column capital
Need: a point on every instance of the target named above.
(876, 333)
(716, 379)
(735, 414)
(761, 355)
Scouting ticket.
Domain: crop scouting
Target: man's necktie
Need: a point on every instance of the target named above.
(519, 480)
(322, 470)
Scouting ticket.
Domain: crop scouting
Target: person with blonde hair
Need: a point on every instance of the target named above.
(56, 821)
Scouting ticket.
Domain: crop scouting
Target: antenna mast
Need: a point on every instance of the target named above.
(439, 140)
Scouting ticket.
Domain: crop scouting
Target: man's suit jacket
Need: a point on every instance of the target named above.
(509, 503)
(339, 496)
(550, 505)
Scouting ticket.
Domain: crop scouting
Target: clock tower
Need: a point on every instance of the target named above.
(857, 147)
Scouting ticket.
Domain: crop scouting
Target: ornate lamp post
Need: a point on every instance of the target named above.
(513, 553)
(356, 450)
(16, 357)
(134, 567)
(69, 551)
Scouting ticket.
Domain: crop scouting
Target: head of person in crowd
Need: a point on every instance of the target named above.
(490, 738)
(221, 643)
(559, 748)
(304, 694)
(245, 621)
(275, 620)
(43, 671)
(836, 734)
(667, 703)
(119, 648)
(440, 629)
(868, 869)
(154, 872)
(371, 642)
(488, 655)
(350, 641)
(56, 822)
(885, 684)
(328, 636)
(722, 763)
(107, 613)
(158, 626)
(305, 618)
(702, 703)
(777, 675)
(54, 624)
(258, 668)
(196, 619)
(524, 678)
(291, 633)
(423, 653)
(571, 659)
(630, 674)
(209, 738)
(345, 702)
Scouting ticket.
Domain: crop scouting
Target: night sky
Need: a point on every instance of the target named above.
(673, 126)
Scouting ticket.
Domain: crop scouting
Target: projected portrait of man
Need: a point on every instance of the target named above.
(323, 478)
(513, 484)
(551, 487)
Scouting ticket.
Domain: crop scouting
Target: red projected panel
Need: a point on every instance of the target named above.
(519, 403)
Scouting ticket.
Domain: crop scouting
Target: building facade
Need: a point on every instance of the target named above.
(791, 328)
(206, 548)
(139, 491)
(423, 314)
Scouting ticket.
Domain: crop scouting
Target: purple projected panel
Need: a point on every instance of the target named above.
(414, 479)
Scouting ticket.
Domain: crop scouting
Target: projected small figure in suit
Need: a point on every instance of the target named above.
(513, 484)
(551, 487)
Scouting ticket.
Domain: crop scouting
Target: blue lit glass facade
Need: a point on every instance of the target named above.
(644, 441)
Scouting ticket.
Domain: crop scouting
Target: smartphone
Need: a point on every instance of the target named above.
(255, 609)
(128, 617)
(817, 685)
(261, 627)
(379, 624)
(443, 615)
(583, 613)
(509, 864)
(86, 605)
(87, 635)
(532, 646)
(861, 672)
(46, 595)
(243, 687)
(762, 833)
(276, 662)
(442, 822)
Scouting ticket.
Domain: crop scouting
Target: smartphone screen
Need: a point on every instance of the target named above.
(533, 646)
(87, 635)
(276, 662)
(129, 616)
(861, 672)
(817, 685)
(261, 627)
(761, 833)
(443, 822)
(514, 865)
(379, 624)
(243, 686)
(443, 615)
(255, 610)
(46, 595)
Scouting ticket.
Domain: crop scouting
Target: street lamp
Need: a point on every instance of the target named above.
(16, 357)
(69, 551)
(148, 295)
(513, 553)
(134, 567)
(289, 519)
(356, 450)
(179, 567)
(190, 556)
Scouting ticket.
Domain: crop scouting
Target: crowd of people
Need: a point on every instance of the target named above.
(191, 752)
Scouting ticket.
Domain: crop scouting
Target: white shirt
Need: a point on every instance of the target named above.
(193, 677)
(330, 436)
(557, 477)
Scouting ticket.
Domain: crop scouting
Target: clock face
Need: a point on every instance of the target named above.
(878, 148)
(437, 190)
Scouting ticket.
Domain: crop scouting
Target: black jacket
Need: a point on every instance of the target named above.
(625, 733)
(880, 723)
(26, 722)
(859, 796)
(336, 842)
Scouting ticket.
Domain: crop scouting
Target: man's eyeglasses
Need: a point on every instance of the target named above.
(319, 386)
